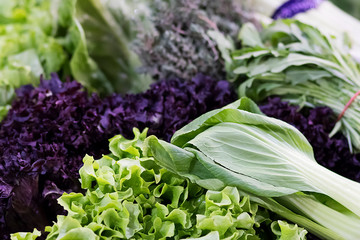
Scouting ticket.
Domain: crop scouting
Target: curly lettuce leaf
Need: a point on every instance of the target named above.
(29, 46)
(26, 235)
(129, 196)
(286, 231)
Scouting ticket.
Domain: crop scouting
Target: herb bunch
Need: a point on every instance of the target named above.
(181, 45)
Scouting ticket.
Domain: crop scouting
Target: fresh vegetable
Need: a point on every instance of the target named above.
(43, 139)
(316, 124)
(167, 106)
(28, 44)
(49, 129)
(109, 28)
(27, 236)
(183, 43)
(97, 42)
(81, 39)
(298, 63)
(318, 13)
(268, 159)
(128, 196)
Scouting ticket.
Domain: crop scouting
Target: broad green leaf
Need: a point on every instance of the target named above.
(206, 120)
(108, 32)
(264, 157)
(250, 35)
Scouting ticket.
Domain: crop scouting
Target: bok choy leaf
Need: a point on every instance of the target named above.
(267, 158)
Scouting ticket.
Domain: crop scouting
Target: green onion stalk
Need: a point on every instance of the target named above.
(302, 65)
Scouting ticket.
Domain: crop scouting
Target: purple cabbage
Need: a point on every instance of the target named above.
(49, 129)
(316, 124)
(292, 7)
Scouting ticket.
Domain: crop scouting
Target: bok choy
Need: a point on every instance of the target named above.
(268, 159)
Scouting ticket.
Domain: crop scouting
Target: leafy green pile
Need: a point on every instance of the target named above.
(81, 39)
(129, 196)
(105, 63)
(111, 46)
(28, 45)
(302, 65)
(267, 159)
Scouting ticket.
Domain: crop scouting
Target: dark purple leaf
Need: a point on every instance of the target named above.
(49, 129)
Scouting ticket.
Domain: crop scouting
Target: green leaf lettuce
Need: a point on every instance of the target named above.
(129, 196)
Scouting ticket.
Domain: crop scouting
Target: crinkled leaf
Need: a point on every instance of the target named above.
(131, 198)
(26, 236)
(286, 231)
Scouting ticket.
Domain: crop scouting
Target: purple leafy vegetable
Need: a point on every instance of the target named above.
(166, 107)
(293, 7)
(49, 129)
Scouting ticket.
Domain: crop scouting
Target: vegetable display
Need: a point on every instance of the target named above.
(203, 162)
(129, 196)
(28, 45)
(45, 36)
(268, 159)
(49, 129)
(298, 63)
(108, 49)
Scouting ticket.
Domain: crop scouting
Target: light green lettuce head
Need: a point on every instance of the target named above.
(129, 196)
